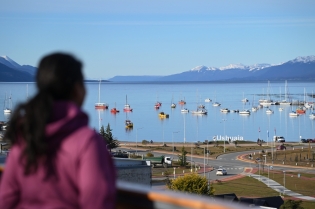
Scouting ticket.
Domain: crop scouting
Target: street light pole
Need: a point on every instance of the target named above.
(137, 140)
(224, 133)
(283, 183)
(173, 140)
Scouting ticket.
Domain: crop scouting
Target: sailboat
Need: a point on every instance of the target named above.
(100, 105)
(173, 105)
(7, 105)
(114, 110)
(285, 101)
(127, 107)
(268, 101)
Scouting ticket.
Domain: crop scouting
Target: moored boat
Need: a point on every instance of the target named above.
(200, 111)
(182, 102)
(300, 110)
(312, 115)
(225, 110)
(162, 115)
(244, 112)
(114, 110)
(100, 105)
(129, 124)
(208, 100)
(293, 113)
(184, 110)
(127, 107)
(269, 111)
(216, 104)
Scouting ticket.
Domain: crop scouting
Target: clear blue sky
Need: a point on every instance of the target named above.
(147, 37)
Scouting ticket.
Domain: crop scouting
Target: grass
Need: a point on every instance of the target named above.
(300, 185)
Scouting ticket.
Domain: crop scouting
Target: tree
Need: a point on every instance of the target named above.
(182, 157)
(191, 183)
(107, 135)
(292, 204)
(145, 142)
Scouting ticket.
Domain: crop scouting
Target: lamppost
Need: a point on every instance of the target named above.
(224, 134)
(204, 162)
(283, 183)
(137, 140)
(173, 140)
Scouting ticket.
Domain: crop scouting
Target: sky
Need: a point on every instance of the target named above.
(157, 37)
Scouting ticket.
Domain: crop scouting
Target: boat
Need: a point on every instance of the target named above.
(269, 111)
(182, 102)
(244, 112)
(173, 105)
(129, 124)
(127, 107)
(7, 105)
(184, 110)
(280, 109)
(200, 111)
(216, 104)
(293, 114)
(254, 109)
(100, 105)
(201, 106)
(156, 106)
(312, 115)
(162, 115)
(114, 110)
(235, 110)
(245, 100)
(285, 101)
(268, 101)
(225, 110)
(208, 100)
(300, 110)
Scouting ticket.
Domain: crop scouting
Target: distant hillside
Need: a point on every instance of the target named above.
(298, 69)
(135, 78)
(11, 71)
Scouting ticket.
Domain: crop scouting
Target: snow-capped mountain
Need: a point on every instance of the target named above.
(10, 71)
(7, 61)
(305, 59)
(300, 68)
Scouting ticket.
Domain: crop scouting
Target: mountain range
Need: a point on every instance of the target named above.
(298, 69)
(10, 71)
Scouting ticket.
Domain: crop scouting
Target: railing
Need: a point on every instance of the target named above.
(141, 197)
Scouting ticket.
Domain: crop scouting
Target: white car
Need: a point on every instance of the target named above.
(221, 172)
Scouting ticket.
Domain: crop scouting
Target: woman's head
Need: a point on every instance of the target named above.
(60, 76)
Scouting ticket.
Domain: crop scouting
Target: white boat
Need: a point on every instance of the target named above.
(225, 110)
(216, 104)
(293, 114)
(201, 106)
(280, 108)
(269, 111)
(208, 100)
(308, 105)
(268, 101)
(254, 109)
(173, 105)
(127, 107)
(285, 101)
(100, 105)
(244, 112)
(312, 115)
(185, 110)
(7, 105)
(245, 100)
(200, 111)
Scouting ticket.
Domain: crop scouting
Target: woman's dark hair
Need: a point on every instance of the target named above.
(56, 76)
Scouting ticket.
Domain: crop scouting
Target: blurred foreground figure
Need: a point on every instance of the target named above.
(56, 160)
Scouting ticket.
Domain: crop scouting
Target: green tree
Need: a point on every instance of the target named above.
(191, 183)
(145, 142)
(107, 135)
(182, 159)
(292, 204)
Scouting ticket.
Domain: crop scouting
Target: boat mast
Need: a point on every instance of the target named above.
(99, 92)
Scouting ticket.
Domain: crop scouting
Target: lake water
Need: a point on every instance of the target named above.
(191, 128)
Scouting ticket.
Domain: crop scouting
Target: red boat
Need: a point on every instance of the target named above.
(300, 110)
(114, 110)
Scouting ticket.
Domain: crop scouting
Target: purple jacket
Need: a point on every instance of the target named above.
(85, 174)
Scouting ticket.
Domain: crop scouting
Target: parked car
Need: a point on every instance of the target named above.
(221, 172)
(281, 147)
(303, 141)
(310, 140)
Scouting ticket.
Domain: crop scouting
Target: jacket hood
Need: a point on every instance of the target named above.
(66, 118)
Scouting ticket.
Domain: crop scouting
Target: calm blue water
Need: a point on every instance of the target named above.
(147, 125)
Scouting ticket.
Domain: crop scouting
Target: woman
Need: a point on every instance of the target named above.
(56, 160)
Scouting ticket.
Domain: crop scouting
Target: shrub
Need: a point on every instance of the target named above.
(191, 183)
(149, 154)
